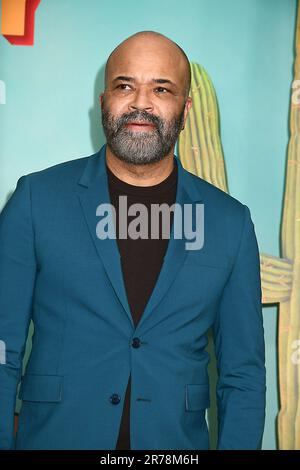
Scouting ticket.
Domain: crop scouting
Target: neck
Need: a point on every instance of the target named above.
(140, 175)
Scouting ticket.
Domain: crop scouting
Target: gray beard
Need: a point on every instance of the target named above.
(142, 147)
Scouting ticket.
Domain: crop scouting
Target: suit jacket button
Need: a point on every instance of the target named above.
(115, 399)
(136, 342)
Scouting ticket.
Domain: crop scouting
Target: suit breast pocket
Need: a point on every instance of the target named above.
(203, 283)
(206, 260)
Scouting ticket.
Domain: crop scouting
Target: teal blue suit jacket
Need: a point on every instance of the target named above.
(55, 270)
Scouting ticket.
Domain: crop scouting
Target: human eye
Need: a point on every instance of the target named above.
(162, 90)
(122, 85)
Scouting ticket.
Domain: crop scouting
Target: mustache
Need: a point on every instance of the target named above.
(139, 116)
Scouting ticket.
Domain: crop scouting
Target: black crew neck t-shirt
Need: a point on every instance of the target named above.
(141, 258)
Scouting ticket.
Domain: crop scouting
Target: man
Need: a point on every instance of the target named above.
(118, 356)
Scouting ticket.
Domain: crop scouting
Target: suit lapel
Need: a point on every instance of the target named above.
(95, 192)
(94, 180)
(173, 259)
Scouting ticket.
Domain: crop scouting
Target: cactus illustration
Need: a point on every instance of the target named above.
(200, 151)
(199, 145)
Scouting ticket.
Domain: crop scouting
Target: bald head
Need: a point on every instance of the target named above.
(155, 45)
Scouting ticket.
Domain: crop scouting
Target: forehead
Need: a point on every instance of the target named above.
(145, 61)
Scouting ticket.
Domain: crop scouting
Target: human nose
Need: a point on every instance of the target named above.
(141, 100)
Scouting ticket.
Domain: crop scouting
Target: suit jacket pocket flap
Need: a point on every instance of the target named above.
(41, 388)
(197, 397)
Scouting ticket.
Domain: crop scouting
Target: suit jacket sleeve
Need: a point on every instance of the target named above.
(240, 350)
(17, 276)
